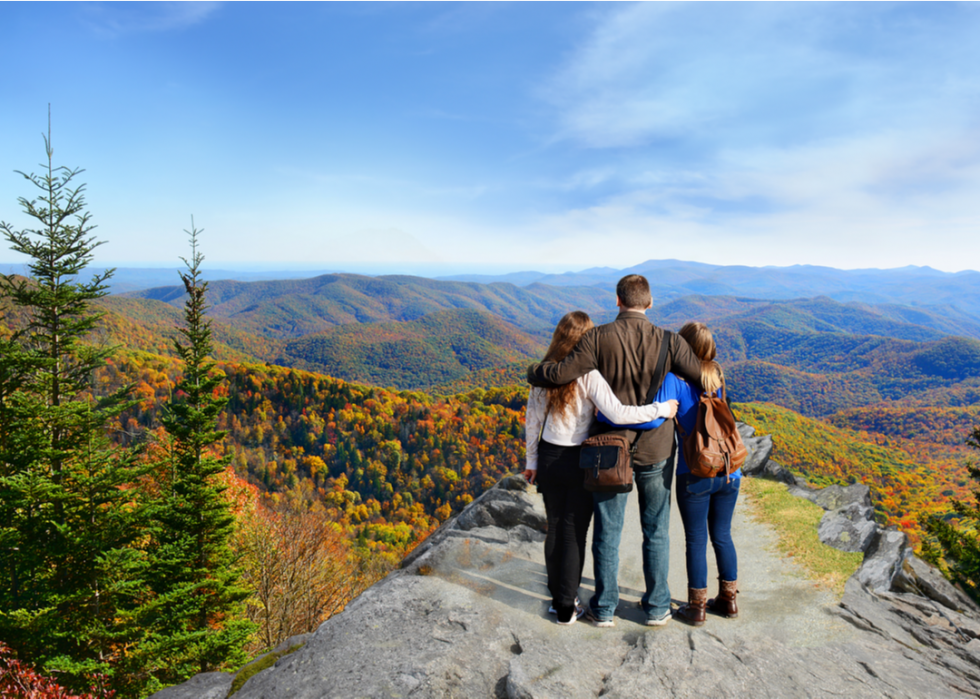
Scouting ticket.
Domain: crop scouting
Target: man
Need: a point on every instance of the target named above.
(625, 353)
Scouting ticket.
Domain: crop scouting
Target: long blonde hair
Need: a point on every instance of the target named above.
(703, 343)
(567, 334)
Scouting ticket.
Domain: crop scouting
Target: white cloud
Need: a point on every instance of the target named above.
(773, 134)
(115, 19)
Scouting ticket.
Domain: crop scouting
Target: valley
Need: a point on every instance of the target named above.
(880, 393)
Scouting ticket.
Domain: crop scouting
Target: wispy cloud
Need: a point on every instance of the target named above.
(699, 75)
(115, 19)
(783, 132)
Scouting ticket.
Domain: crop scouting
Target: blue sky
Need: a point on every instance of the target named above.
(432, 138)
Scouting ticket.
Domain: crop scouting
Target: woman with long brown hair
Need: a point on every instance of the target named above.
(557, 423)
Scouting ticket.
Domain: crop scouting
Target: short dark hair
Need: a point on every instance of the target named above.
(633, 291)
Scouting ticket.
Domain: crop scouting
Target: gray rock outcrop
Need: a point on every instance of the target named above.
(465, 616)
(849, 523)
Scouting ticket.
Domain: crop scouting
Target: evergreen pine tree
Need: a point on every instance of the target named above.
(195, 622)
(67, 524)
(956, 548)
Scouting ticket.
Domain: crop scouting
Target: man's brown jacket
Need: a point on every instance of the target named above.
(625, 353)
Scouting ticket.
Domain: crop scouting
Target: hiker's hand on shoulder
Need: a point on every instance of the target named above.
(671, 408)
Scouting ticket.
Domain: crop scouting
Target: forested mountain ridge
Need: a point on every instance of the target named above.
(438, 348)
(390, 465)
(816, 356)
(819, 374)
(151, 326)
(293, 308)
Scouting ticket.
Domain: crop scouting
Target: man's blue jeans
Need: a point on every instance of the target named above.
(652, 485)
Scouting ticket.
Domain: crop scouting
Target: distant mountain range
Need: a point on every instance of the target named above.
(671, 279)
(126, 279)
(815, 355)
(293, 308)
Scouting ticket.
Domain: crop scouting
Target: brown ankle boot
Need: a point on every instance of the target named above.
(724, 603)
(693, 612)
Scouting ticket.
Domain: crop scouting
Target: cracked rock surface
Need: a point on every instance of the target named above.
(466, 616)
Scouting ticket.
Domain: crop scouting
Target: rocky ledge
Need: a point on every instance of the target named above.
(466, 616)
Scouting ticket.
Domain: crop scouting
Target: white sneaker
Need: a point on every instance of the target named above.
(599, 623)
(659, 620)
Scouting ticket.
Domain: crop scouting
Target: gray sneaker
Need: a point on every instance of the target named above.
(596, 621)
(659, 620)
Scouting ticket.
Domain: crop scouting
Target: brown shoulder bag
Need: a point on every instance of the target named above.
(607, 459)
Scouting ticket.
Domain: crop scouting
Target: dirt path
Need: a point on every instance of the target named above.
(775, 597)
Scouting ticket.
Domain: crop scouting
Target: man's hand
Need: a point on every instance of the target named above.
(672, 408)
(530, 475)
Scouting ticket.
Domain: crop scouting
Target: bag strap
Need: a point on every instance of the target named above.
(544, 421)
(658, 373)
(657, 381)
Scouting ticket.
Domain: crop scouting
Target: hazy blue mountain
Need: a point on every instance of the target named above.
(672, 279)
(127, 279)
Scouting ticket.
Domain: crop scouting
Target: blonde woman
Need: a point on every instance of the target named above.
(557, 423)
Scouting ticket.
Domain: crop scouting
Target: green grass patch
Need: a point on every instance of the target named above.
(795, 521)
(257, 666)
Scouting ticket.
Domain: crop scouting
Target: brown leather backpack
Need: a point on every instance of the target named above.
(715, 447)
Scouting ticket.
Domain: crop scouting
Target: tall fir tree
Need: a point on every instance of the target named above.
(68, 527)
(195, 622)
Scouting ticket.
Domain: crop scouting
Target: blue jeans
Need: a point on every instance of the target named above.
(706, 506)
(652, 485)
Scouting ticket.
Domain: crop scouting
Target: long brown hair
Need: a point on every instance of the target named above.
(703, 343)
(567, 334)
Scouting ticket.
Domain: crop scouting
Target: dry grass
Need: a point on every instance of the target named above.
(795, 521)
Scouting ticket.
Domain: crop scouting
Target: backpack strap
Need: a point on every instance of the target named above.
(656, 382)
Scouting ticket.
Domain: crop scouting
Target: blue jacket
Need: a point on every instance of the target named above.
(674, 388)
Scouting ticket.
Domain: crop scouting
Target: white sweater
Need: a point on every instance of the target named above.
(572, 428)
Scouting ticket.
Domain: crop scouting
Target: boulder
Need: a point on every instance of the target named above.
(883, 560)
(499, 508)
(834, 497)
(760, 449)
(505, 513)
(848, 528)
(773, 471)
(920, 578)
